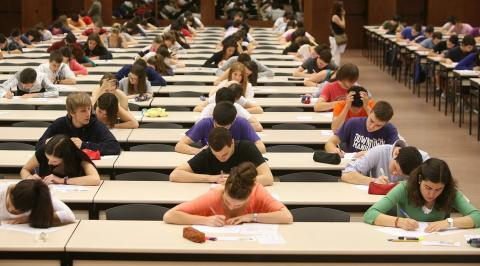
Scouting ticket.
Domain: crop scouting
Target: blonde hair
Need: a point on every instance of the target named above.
(76, 100)
(239, 67)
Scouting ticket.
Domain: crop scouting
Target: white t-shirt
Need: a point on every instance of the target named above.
(63, 72)
(208, 111)
(63, 212)
(249, 92)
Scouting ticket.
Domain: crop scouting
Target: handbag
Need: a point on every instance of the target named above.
(341, 38)
(380, 189)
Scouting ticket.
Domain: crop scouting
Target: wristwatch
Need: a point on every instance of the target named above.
(255, 217)
(450, 222)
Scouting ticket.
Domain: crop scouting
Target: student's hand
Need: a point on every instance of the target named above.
(364, 97)
(215, 220)
(8, 95)
(247, 218)
(52, 179)
(34, 176)
(29, 95)
(19, 220)
(222, 179)
(359, 154)
(437, 226)
(339, 152)
(78, 142)
(349, 99)
(381, 180)
(407, 224)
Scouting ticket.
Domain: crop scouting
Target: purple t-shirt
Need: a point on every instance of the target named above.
(240, 129)
(356, 137)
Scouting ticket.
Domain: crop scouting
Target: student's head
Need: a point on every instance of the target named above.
(27, 77)
(432, 182)
(15, 33)
(337, 8)
(396, 19)
(93, 41)
(169, 39)
(66, 54)
(70, 38)
(106, 109)
(239, 185)
(452, 20)
(97, 27)
(452, 41)
(224, 114)
(34, 196)
(55, 60)
(429, 31)
(229, 48)
(347, 75)
(437, 37)
(404, 160)
(238, 73)
(225, 94)
(137, 79)
(239, 16)
(468, 43)
(237, 90)
(251, 69)
(109, 83)
(157, 41)
(158, 63)
(458, 25)
(31, 34)
(318, 49)
(79, 107)
(244, 57)
(3, 41)
(115, 33)
(357, 103)
(324, 57)
(287, 15)
(381, 113)
(60, 150)
(75, 18)
(416, 29)
(221, 143)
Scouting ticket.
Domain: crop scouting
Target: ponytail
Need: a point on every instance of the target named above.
(241, 180)
(34, 196)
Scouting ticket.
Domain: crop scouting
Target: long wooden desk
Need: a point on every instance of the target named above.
(210, 79)
(115, 241)
(32, 134)
(263, 102)
(61, 100)
(259, 90)
(40, 115)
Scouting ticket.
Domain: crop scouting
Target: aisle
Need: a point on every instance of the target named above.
(423, 126)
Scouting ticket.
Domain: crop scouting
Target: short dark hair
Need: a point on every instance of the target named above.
(71, 38)
(408, 158)
(28, 75)
(417, 27)
(34, 196)
(66, 52)
(2, 38)
(383, 111)
(437, 35)
(454, 39)
(56, 56)
(244, 57)
(15, 32)
(357, 99)
(318, 49)
(225, 94)
(237, 90)
(241, 180)
(218, 138)
(325, 55)
(348, 72)
(429, 29)
(224, 113)
(468, 40)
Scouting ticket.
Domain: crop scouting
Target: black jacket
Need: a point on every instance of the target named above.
(95, 135)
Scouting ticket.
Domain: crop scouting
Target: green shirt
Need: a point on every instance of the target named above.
(398, 196)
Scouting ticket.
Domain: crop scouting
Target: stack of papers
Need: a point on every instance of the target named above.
(262, 233)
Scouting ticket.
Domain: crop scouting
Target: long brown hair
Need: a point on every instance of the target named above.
(241, 180)
(34, 196)
(436, 171)
(239, 67)
(109, 103)
(138, 71)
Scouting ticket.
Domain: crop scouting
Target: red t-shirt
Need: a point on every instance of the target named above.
(87, 20)
(334, 92)
(259, 201)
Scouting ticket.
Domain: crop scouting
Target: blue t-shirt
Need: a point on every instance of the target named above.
(356, 137)
(240, 129)
(407, 34)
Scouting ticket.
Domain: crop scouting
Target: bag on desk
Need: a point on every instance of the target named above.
(325, 157)
(380, 189)
(93, 155)
(341, 38)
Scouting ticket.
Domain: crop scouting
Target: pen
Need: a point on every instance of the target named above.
(398, 240)
(210, 238)
(404, 213)
(383, 174)
(213, 211)
(403, 238)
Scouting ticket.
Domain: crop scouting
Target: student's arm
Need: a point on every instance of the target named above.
(331, 145)
(226, 65)
(28, 170)
(105, 54)
(283, 216)
(255, 124)
(221, 78)
(253, 108)
(69, 76)
(263, 71)
(199, 107)
(357, 178)
(338, 120)
(467, 63)
(264, 175)
(322, 105)
(107, 144)
(127, 118)
(51, 131)
(11, 82)
(176, 216)
(340, 21)
(51, 91)
(315, 78)
(184, 174)
(356, 171)
(183, 146)
(212, 61)
(155, 78)
(62, 214)
(91, 177)
(299, 72)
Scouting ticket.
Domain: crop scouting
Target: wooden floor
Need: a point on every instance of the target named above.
(424, 127)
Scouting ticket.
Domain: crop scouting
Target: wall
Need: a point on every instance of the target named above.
(380, 10)
(438, 11)
(10, 12)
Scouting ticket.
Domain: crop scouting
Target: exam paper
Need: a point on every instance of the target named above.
(243, 229)
(67, 188)
(420, 232)
(25, 228)
(361, 187)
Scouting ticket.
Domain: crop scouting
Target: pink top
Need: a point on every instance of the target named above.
(77, 68)
(465, 29)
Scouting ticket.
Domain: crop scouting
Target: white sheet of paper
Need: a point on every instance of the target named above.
(440, 243)
(235, 238)
(361, 187)
(25, 228)
(109, 157)
(67, 188)
(349, 155)
(270, 239)
(243, 229)
(420, 232)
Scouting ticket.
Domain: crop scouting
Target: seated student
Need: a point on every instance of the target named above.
(30, 201)
(70, 60)
(223, 153)
(115, 39)
(222, 72)
(157, 62)
(127, 38)
(450, 22)
(57, 28)
(133, 29)
(470, 62)
(280, 24)
(229, 49)
(108, 111)
(238, 73)
(168, 58)
(238, 16)
(384, 164)
(96, 29)
(45, 34)
(443, 46)
(237, 89)
(85, 17)
(391, 26)
(152, 48)
(364, 133)
(456, 54)
(411, 34)
(432, 41)
(82, 127)
(320, 80)
(295, 45)
(175, 42)
(59, 161)
(57, 71)
(4, 47)
(460, 28)
(153, 76)
(94, 48)
(314, 65)
(193, 21)
(224, 115)
(227, 94)
(136, 83)
(333, 93)
(30, 37)
(427, 41)
(28, 83)
(356, 104)
(14, 41)
(109, 84)
(76, 23)
(71, 41)
(429, 195)
(241, 200)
